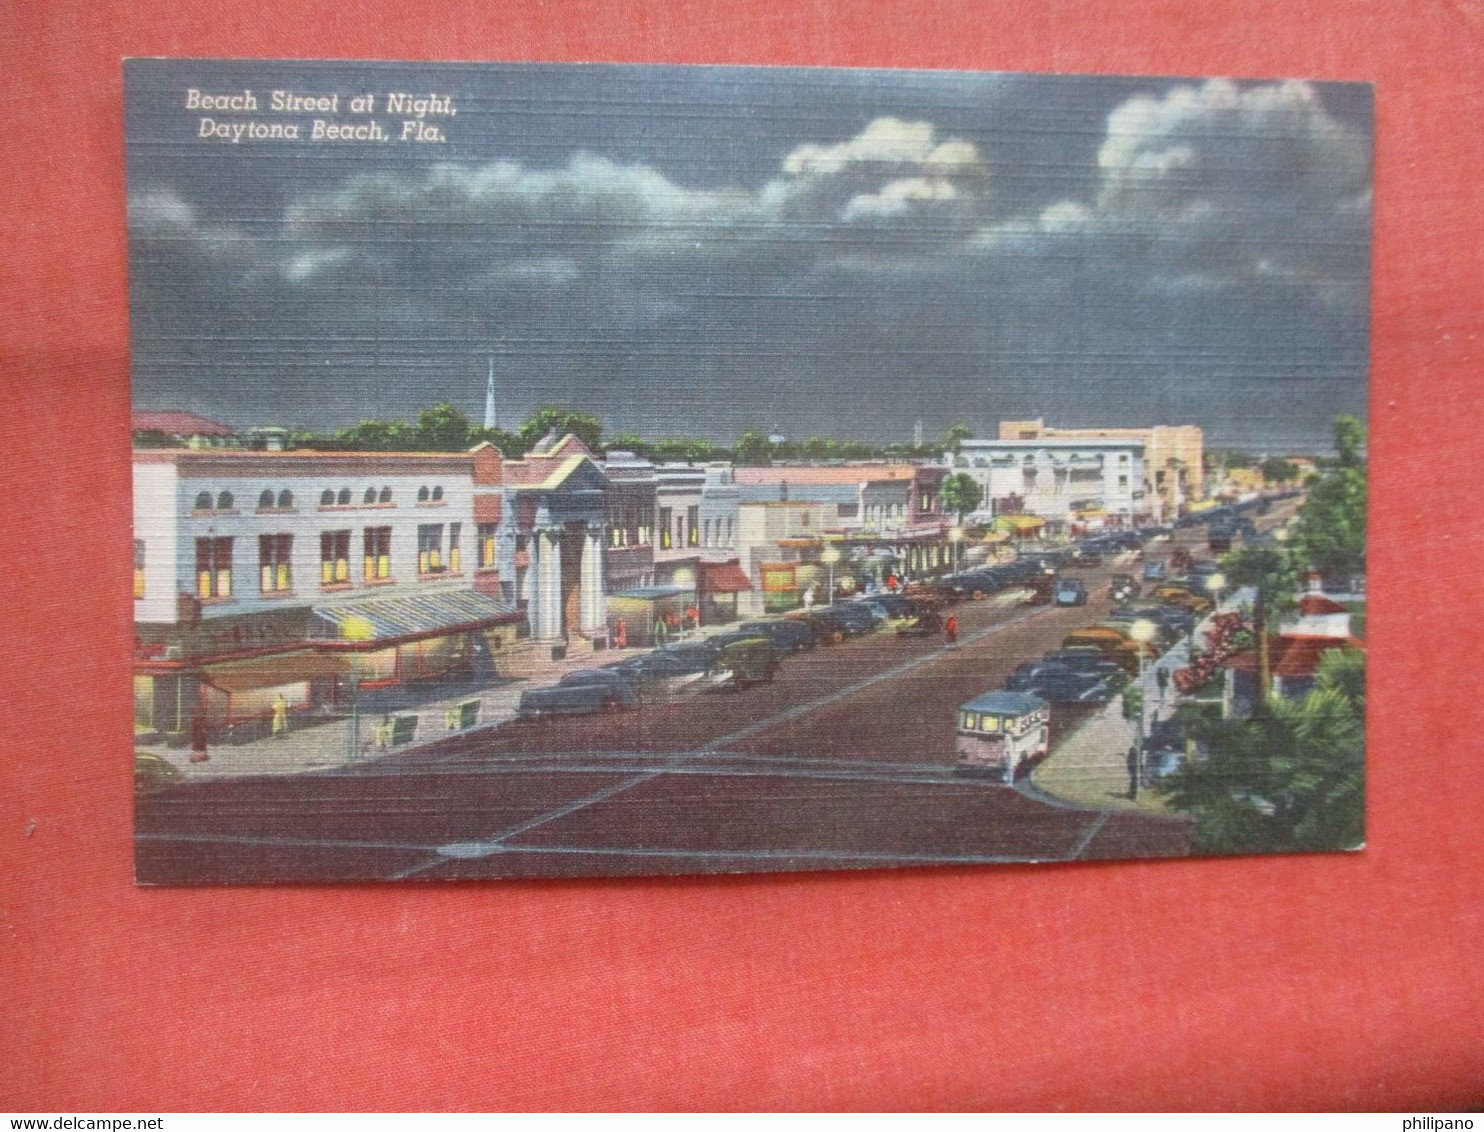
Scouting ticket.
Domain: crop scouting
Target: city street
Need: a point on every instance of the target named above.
(845, 760)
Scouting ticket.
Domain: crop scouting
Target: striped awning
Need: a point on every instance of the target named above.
(413, 615)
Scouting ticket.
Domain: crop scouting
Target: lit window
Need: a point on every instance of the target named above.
(454, 555)
(224, 501)
(138, 567)
(486, 533)
(334, 558)
(693, 526)
(377, 544)
(285, 500)
(203, 501)
(667, 535)
(275, 572)
(430, 548)
(213, 567)
(968, 720)
(989, 722)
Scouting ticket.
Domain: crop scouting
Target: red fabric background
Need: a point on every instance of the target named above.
(1299, 982)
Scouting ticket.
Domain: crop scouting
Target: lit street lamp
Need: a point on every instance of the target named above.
(956, 536)
(829, 556)
(1142, 632)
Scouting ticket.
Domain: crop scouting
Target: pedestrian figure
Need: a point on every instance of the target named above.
(1162, 678)
(280, 716)
(809, 599)
(381, 734)
(621, 634)
(661, 631)
(891, 583)
(198, 738)
(950, 630)
(1133, 773)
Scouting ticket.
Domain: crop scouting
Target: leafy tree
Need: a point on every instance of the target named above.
(1272, 574)
(510, 444)
(961, 494)
(955, 435)
(1290, 780)
(586, 427)
(1329, 535)
(155, 438)
(1276, 470)
(630, 442)
(443, 429)
(378, 436)
(753, 449)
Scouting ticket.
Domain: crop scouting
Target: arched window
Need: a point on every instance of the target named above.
(265, 501)
(203, 501)
(327, 498)
(422, 494)
(344, 497)
(285, 499)
(437, 494)
(370, 496)
(224, 501)
(386, 495)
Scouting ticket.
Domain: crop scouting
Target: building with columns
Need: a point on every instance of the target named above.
(552, 546)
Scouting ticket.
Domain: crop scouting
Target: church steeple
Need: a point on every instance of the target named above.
(489, 397)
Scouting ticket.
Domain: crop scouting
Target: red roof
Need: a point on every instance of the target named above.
(1292, 654)
(1313, 605)
(176, 422)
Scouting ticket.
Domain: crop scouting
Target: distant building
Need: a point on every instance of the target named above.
(1173, 455)
(176, 428)
(1098, 481)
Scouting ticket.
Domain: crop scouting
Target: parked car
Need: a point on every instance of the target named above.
(1071, 592)
(1072, 688)
(670, 671)
(927, 623)
(1123, 587)
(568, 699)
(786, 635)
(853, 617)
(621, 685)
(896, 606)
(1088, 661)
(743, 662)
(153, 773)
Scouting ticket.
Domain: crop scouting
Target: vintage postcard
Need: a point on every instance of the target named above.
(554, 470)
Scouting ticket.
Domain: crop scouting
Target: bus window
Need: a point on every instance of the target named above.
(969, 721)
(989, 722)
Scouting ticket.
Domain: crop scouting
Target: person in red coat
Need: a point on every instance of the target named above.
(950, 630)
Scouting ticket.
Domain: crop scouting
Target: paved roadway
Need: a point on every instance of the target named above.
(844, 761)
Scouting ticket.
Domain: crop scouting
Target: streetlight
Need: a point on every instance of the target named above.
(956, 536)
(1216, 583)
(829, 556)
(1142, 632)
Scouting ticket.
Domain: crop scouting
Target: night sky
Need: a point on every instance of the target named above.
(698, 251)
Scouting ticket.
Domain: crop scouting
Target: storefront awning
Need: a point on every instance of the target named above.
(724, 578)
(388, 618)
(272, 671)
(1019, 522)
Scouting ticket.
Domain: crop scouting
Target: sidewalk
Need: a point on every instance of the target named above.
(316, 746)
(1090, 767)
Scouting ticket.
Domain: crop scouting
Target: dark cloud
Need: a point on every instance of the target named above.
(1208, 250)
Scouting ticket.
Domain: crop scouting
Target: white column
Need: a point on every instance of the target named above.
(593, 599)
(549, 587)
